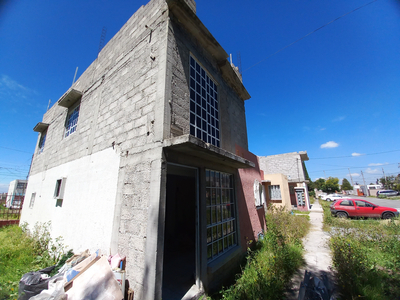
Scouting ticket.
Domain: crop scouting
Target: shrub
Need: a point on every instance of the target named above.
(22, 251)
(278, 256)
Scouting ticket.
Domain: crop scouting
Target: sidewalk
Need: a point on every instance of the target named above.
(317, 253)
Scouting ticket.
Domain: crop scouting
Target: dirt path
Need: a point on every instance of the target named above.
(317, 253)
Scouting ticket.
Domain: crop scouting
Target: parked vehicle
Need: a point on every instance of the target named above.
(361, 208)
(387, 193)
(332, 197)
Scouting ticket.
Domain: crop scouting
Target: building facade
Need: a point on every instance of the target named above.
(287, 183)
(16, 193)
(139, 157)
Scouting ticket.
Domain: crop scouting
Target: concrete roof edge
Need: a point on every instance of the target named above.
(187, 17)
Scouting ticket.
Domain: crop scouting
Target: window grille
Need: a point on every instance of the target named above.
(72, 121)
(204, 113)
(221, 213)
(275, 192)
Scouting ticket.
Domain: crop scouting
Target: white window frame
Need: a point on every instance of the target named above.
(259, 193)
(71, 123)
(275, 192)
(204, 106)
(221, 213)
(32, 202)
(60, 188)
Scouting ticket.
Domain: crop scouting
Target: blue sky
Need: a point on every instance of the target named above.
(334, 94)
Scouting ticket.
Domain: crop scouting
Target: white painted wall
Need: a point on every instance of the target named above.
(87, 212)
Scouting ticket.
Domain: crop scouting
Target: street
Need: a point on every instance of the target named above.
(379, 201)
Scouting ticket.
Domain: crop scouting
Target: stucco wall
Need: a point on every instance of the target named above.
(281, 180)
(251, 218)
(85, 218)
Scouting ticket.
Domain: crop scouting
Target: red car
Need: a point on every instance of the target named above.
(360, 208)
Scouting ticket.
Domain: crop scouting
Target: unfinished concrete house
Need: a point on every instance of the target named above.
(145, 154)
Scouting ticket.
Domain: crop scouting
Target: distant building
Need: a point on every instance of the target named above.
(16, 193)
(286, 179)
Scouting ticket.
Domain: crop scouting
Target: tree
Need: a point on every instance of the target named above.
(319, 183)
(331, 185)
(388, 182)
(346, 186)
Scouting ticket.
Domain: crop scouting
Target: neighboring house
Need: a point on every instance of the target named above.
(16, 193)
(3, 198)
(287, 184)
(137, 157)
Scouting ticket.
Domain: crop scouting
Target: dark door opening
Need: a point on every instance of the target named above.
(179, 270)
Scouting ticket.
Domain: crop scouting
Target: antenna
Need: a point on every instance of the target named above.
(76, 71)
(102, 39)
(48, 105)
(239, 62)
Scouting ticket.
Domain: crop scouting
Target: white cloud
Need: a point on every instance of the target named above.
(354, 175)
(376, 165)
(322, 129)
(372, 171)
(357, 154)
(338, 119)
(330, 144)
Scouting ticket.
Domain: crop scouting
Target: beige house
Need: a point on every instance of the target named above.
(285, 181)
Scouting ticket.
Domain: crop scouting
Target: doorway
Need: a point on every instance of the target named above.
(179, 269)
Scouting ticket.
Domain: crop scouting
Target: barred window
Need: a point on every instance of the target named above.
(275, 192)
(72, 120)
(221, 213)
(204, 113)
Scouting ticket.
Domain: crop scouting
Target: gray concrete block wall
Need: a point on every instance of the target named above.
(119, 92)
(231, 108)
(119, 109)
(289, 164)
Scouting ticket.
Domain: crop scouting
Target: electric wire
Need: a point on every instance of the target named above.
(315, 30)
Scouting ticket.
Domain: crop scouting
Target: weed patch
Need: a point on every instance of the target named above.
(366, 256)
(22, 251)
(271, 266)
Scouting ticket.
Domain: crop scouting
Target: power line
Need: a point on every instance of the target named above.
(355, 156)
(15, 150)
(319, 28)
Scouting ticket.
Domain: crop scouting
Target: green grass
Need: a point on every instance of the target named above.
(22, 251)
(271, 265)
(366, 256)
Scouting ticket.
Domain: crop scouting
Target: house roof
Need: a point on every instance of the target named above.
(196, 147)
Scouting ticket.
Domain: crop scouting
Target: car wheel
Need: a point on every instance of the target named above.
(341, 214)
(328, 199)
(387, 215)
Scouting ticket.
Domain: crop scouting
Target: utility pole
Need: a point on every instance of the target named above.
(324, 175)
(366, 189)
(351, 178)
(384, 175)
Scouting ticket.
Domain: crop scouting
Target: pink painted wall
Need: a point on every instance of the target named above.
(251, 219)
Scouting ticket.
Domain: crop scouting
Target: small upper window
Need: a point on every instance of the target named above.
(72, 120)
(32, 200)
(42, 140)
